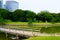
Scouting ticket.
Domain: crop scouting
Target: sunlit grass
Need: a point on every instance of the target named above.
(16, 23)
(45, 38)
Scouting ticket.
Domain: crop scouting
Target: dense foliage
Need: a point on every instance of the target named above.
(29, 16)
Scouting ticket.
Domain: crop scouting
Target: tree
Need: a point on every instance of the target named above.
(38, 17)
(18, 15)
(4, 13)
(58, 17)
(2, 21)
(55, 17)
(45, 16)
(30, 15)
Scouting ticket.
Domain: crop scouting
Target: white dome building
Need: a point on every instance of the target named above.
(12, 5)
(1, 3)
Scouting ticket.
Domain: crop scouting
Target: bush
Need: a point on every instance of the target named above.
(2, 21)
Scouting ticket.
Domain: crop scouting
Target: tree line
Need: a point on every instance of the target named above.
(20, 15)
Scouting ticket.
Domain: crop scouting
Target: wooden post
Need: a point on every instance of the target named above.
(6, 35)
(46, 23)
(17, 37)
(33, 32)
(40, 29)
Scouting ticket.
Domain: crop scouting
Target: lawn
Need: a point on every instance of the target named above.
(10, 23)
(35, 25)
(45, 38)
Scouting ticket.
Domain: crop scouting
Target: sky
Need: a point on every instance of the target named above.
(40, 5)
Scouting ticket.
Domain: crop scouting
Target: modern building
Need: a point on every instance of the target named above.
(12, 5)
(1, 3)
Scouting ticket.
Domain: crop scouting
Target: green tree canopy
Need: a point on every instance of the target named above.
(45, 16)
(4, 13)
(30, 15)
(18, 15)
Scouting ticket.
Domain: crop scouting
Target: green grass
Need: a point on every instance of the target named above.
(16, 23)
(42, 24)
(45, 38)
(25, 25)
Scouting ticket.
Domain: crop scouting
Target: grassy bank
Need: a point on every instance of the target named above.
(18, 25)
(41, 27)
(45, 38)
